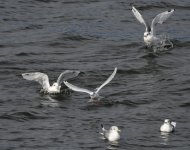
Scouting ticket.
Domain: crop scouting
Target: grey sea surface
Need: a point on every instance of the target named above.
(93, 36)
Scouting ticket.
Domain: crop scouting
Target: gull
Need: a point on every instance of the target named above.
(112, 135)
(149, 34)
(93, 94)
(43, 80)
(168, 126)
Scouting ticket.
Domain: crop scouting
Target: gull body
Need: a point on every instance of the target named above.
(149, 34)
(149, 39)
(168, 126)
(93, 94)
(112, 134)
(43, 80)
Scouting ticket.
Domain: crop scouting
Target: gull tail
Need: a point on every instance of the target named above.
(174, 124)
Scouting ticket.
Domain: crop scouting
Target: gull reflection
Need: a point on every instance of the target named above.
(113, 145)
(165, 138)
(49, 101)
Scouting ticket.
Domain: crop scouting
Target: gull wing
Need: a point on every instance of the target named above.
(67, 74)
(105, 132)
(107, 81)
(140, 18)
(174, 124)
(39, 77)
(78, 89)
(160, 18)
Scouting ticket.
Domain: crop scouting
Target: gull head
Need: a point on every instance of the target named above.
(115, 128)
(167, 121)
(94, 96)
(55, 87)
(146, 34)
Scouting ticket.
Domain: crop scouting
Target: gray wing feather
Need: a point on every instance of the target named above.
(39, 77)
(160, 18)
(68, 74)
(105, 132)
(139, 17)
(107, 81)
(78, 89)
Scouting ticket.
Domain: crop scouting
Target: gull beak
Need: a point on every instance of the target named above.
(119, 130)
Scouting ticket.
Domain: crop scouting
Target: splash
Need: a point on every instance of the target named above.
(162, 44)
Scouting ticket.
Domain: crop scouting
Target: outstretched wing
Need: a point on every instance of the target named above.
(38, 77)
(78, 89)
(107, 81)
(160, 18)
(68, 74)
(140, 18)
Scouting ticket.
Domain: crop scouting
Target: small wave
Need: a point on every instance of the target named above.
(65, 41)
(128, 103)
(74, 38)
(22, 116)
(46, 1)
(76, 1)
(149, 55)
(25, 54)
(29, 27)
(179, 43)
(6, 63)
(185, 104)
(32, 26)
(60, 45)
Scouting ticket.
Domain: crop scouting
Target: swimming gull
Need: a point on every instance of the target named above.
(112, 134)
(168, 126)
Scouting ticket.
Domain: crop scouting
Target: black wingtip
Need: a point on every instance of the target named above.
(102, 126)
(171, 10)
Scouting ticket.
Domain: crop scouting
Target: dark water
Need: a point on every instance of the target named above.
(92, 36)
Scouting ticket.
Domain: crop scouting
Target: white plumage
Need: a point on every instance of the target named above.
(43, 80)
(168, 126)
(93, 94)
(112, 134)
(149, 34)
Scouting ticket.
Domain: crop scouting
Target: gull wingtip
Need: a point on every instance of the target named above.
(102, 126)
(171, 10)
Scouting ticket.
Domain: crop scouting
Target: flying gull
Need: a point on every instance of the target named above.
(149, 34)
(93, 94)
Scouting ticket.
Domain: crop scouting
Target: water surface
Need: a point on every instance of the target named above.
(92, 36)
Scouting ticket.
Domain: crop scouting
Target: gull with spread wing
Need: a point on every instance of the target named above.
(93, 94)
(149, 34)
(43, 80)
